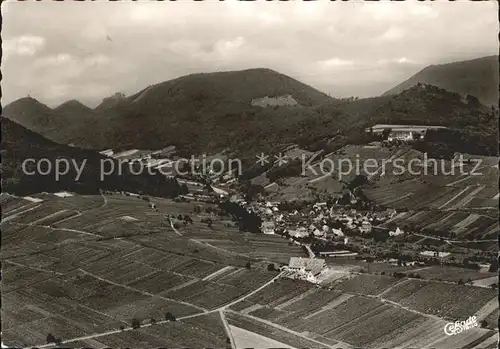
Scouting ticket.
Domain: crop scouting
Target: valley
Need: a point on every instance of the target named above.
(300, 245)
(109, 269)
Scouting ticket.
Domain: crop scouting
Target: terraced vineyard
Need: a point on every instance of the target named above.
(453, 274)
(458, 207)
(85, 280)
(441, 298)
(366, 284)
(364, 310)
(470, 189)
(114, 260)
(197, 332)
(269, 247)
(455, 225)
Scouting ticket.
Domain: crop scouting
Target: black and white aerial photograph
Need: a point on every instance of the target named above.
(249, 174)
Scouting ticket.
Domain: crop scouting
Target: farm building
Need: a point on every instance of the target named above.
(307, 268)
(338, 232)
(401, 132)
(484, 267)
(268, 227)
(318, 232)
(396, 232)
(298, 233)
(339, 254)
(365, 227)
(435, 254)
(107, 152)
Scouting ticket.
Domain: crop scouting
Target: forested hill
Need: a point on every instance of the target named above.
(19, 144)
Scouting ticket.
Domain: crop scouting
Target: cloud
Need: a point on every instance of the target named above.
(424, 11)
(335, 62)
(401, 11)
(96, 60)
(195, 50)
(225, 47)
(393, 33)
(402, 60)
(342, 48)
(26, 45)
(185, 47)
(65, 63)
(55, 60)
(57, 91)
(248, 12)
(382, 11)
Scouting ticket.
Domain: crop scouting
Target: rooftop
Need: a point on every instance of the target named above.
(403, 127)
(315, 265)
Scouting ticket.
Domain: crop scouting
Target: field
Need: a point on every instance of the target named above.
(459, 227)
(321, 178)
(325, 176)
(374, 267)
(401, 195)
(11, 204)
(456, 206)
(114, 259)
(198, 332)
(269, 247)
(453, 274)
(354, 155)
(83, 277)
(364, 284)
(267, 331)
(458, 192)
(364, 310)
(446, 300)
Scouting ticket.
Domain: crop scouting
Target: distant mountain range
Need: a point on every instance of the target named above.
(199, 112)
(60, 124)
(208, 113)
(72, 108)
(478, 77)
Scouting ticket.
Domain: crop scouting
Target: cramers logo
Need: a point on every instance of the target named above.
(457, 327)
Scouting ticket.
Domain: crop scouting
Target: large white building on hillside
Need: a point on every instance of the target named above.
(401, 132)
(306, 268)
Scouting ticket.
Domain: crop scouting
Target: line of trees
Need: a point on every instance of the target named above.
(134, 323)
(247, 221)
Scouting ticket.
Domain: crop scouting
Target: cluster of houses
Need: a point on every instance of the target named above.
(320, 220)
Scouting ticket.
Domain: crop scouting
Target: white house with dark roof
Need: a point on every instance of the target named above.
(268, 227)
(307, 268)
(402, 132)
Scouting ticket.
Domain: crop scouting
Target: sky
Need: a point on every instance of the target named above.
(57, 51)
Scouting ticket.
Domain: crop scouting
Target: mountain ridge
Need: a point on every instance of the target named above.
(211, 112)
(182, 111)
(478, 77)
(71, 105)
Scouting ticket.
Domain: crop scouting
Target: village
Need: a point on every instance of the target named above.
(241, 175)
(333, 233)
(343, 229)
